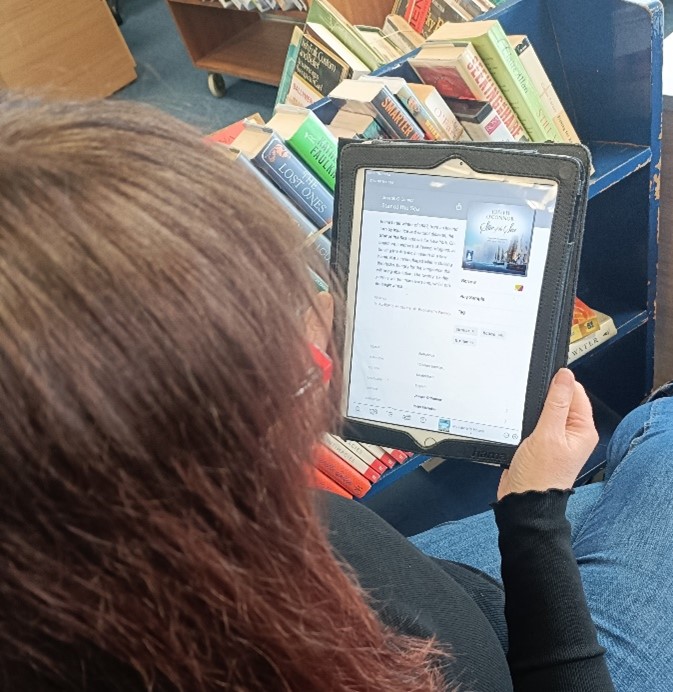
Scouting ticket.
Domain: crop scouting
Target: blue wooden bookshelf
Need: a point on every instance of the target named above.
(604, 58)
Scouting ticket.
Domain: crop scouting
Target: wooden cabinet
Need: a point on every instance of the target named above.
(69, 48)
(252, 45)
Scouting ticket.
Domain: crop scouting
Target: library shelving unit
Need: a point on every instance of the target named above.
(604, 58)
(251, 44)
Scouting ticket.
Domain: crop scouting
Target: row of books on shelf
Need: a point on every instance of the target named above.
(350, 468)
(264, 5)
(479, 73)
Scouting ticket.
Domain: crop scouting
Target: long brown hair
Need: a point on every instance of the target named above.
(156, 528)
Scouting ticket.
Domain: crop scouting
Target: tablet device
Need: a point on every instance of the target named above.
(460, 265)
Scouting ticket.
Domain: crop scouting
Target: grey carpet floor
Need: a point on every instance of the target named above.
(168, 80)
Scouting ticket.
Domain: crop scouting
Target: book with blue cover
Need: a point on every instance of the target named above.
(498, 238)
(285, 169)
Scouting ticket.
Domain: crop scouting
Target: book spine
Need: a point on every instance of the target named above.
(426, 120)
(416, 14)
(316, 145)
(340, 472)
(366, 456)
(592, 341)
(397, 454)
(373, 131)
(444, 115)
(323, 482)
(489, 129)
(440, 12)
(542, 84)
(303, 189)
(380, 454)
(469, 9)
(343, 451)
(337, 24)
(393, 118)
(304, 225)
(508, 72)
(474, 69)
(288, 67)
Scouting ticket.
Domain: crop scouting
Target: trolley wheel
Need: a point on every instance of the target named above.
(216, 84)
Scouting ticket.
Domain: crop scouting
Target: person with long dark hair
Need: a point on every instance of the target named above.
(160, 407)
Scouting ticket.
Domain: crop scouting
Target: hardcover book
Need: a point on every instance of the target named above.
(490, 42)
(276, 160)
(375, 99)
(309, 138)
(457, 71)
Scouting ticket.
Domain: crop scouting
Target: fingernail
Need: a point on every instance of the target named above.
(564, 378)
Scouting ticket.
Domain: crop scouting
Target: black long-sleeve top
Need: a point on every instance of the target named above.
(532, 634)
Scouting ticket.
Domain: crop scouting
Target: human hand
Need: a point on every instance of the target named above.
(554, 453)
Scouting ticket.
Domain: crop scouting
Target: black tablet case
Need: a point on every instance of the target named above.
(569, 166)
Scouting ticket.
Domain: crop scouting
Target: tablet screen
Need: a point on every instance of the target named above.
(443, 301)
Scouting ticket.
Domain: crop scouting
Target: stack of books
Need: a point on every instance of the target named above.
(589, 330)
(351, 468)
(293, 157)
(480, 71)
(476, 83)
(329, 49)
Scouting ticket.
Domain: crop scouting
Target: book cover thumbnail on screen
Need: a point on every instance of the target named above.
(498, 238)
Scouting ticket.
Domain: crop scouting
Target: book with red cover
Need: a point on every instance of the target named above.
(340, 472)
(380, 454)
(323, 482)
(397, 454)
(228, 134)
(369, 467)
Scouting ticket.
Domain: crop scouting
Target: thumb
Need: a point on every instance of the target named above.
(559, 398)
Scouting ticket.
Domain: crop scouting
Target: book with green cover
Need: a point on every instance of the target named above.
(323, 12)
(290, 63)
(309, 139)
(493, 47)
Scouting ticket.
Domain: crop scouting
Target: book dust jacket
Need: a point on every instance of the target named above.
(498, 238)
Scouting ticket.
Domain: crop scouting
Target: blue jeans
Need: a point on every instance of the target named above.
(622, 537)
